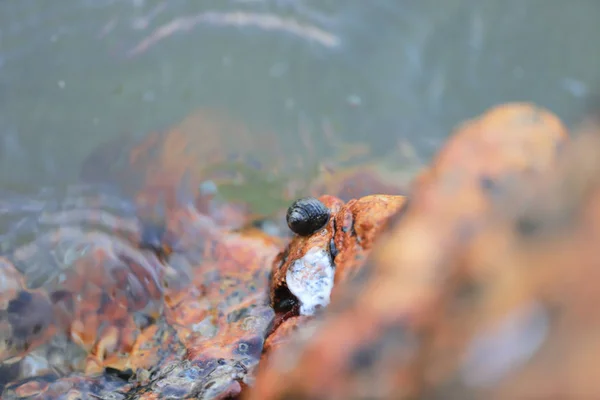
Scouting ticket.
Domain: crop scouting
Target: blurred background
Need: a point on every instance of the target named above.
(75, 74)
(274, 91)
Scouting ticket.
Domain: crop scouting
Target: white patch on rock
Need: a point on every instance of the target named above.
(310, 279)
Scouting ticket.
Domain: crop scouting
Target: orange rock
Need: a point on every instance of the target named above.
(377, 335)
(481, 284)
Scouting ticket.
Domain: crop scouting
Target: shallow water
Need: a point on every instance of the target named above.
(77, 74)
(303, 76)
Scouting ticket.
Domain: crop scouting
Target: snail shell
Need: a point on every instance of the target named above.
(307, 215)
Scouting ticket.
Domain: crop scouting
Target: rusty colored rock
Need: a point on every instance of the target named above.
(480, 284)
(358, 225)
(304, 274)
(206, 310)
(376, 333)
(307, 273)
(316, 268)
(534, 268)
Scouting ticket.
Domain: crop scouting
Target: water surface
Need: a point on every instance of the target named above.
(76, 73)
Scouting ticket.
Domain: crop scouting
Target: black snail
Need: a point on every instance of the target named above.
(307, 215)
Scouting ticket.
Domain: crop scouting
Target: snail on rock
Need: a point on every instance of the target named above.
(307, 215)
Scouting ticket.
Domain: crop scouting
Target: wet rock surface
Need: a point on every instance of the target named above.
(477, 282)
